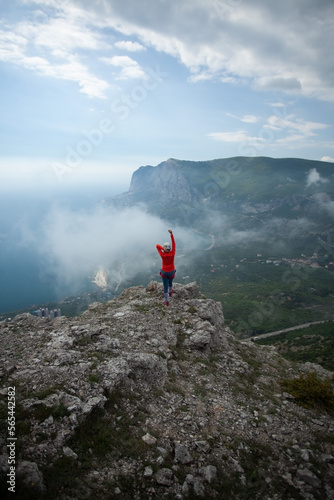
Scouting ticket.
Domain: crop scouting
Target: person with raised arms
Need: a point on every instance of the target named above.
(167, 272)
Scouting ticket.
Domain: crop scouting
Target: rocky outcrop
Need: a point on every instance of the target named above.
(136, 400)
(163, 184)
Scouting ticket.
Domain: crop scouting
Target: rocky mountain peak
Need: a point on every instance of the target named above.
(163, 182)
(136, 400)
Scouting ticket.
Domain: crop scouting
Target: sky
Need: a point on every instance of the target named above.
(91, 91)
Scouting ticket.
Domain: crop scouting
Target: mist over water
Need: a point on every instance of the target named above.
(51, 246)
(26, 274)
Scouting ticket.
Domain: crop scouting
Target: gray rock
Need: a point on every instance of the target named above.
(31, 476)
(199, 489)
(94, 402)
(148, 472)
(69, 453)
(199, 340)
(202, 446)
(308, 477)
(210, 473)
(148, 439)
(182, 454)
(326, 457)
(164, 477)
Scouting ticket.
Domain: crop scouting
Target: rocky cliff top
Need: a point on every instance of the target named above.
(165, 183)
(134, 400)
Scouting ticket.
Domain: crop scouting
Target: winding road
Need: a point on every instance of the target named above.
(291, 329)
(206, 234)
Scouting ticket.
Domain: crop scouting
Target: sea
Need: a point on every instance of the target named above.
(25, 277)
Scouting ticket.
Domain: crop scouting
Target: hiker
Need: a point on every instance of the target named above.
(167, 272)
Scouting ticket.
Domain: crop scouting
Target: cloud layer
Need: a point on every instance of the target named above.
(314, 178)
(285, 46)
(74, 244)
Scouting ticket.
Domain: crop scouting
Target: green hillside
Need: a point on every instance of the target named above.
(258, 179)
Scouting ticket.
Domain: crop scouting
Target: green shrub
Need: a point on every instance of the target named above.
(93, 377)
(311, 392)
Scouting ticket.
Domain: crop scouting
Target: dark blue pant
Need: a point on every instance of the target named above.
(167, 280)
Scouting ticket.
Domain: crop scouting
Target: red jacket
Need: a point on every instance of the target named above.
(167, 257)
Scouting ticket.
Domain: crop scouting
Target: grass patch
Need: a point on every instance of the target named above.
(200, 391)
(180, 338)
(311, 392)
(63, 475)
(42, 412)
(93, 378)
(142, 308)
(84, 341)
(174, 388)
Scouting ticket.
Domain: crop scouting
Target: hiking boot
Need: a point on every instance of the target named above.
(166, 303)
(171, 292)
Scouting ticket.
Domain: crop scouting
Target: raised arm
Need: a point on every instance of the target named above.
(173, 242)
(160, 249)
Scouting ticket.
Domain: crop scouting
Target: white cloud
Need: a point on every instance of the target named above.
(285, 46)
(240, 136)
(313, 177)
(291, 84)
(74, 71)
(272, 232)
(250, 119)
(327, 158)
(292, 124)
(270, 45)
(245, 118)
(277, 129)
(277, 104)
(325, 203)
(22, 44)
(291, 130)
(130, 46)
(129, 68)
(62, 33)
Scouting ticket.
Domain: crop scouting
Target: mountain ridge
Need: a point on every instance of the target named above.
(189, 187)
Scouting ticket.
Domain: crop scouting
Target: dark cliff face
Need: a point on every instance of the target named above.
(165, 182)
(141, 179)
